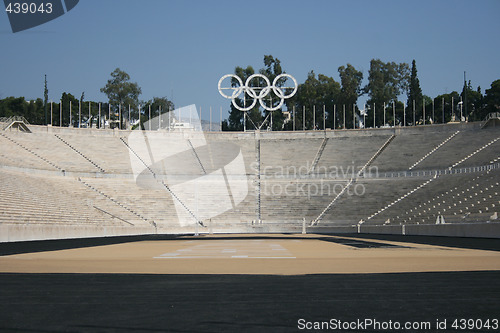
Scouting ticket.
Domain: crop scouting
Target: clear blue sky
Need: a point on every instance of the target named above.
(182, 48)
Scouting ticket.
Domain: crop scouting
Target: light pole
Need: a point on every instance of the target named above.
(461, 103)
(314, 117)
(364, 116)
(374, 116)
(433, 119)
(465, 96)
(393, 114)
(79, 113)
(423, 109)
(442, 107)
(304, 117)
(334, 116)
(344, 114)
(414, 124)
(404, 114)
(384, 116)
(324, 117)
(452, 111)
(354, 116)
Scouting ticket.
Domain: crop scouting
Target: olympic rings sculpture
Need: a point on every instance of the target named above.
(254, 92)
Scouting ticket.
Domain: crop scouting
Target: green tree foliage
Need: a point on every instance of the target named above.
(473, 103)
(12, 106)
(414, 90)
(386, 81)
(399, 112)
(492, 97)
(156, 104)
(426, 110)
(350, 90)
(314, 92)
(33, 110)
(272, 67)
(65, 100)
(350, 79)
(121, 91)
(444, 112)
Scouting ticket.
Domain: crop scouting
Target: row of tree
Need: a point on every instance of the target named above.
(386, 82)
(69, 110)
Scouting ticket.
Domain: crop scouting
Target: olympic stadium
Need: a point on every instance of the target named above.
(171, 229)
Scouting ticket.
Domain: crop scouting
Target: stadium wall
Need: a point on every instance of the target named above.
(480, 230)
(26, 231)
(409, 130)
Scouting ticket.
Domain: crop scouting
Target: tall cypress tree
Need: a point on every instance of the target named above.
(415, 92)
(46, 99)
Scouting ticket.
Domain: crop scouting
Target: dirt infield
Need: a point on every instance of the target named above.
(255, 254)
(246, 283)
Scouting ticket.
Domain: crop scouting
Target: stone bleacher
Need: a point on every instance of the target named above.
(408, 149)
(35, 199)
(461, 146)
(99, 187)
(285, 200)
(38, 149)
(343, 154)
(366, 196)
(473, 198)
(284, 156)
(107, 152)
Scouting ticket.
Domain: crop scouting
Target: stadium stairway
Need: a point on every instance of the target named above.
(369, 196)
(467, 148)
(360, 173)
(408, 149)
(434, 150)
(115, 201)
(80, 153)
(38, 157)
(350, 154)
(318, 155)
